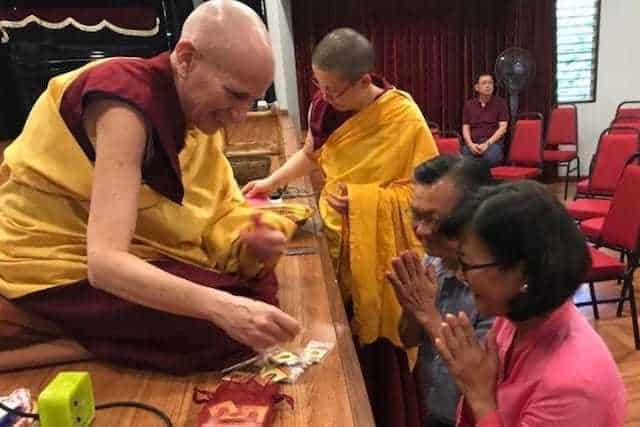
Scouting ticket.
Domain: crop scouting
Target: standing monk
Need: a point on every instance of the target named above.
(367, 137)
(120, 213)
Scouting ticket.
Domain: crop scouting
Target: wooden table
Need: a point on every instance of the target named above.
(329, 394)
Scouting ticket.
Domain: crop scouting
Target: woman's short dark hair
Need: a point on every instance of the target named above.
(523, 222)
(467, 176)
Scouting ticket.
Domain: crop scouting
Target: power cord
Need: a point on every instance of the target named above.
(138, 405)
(127, 404)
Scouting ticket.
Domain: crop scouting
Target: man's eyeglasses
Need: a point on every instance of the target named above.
(330, 93)
(424, 220)
(468, 267)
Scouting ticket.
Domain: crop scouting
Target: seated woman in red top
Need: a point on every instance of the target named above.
(484, 122)
(543, 364)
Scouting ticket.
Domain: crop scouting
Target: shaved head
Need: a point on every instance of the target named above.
(229, 34)
(222, 63)
(346, 52)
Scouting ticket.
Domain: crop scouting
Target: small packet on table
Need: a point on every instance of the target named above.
(315, 352)
(282, 374)
(275, 374)
(284, 357)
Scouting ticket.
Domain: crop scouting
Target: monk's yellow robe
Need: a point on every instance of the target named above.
(45, 189)
(374, 153)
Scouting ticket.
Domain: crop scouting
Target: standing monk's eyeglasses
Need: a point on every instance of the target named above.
(330, 93)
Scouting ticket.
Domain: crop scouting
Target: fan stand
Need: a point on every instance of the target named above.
(514, 98)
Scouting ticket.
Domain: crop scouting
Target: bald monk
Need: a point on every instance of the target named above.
(367, 137)
(121, 223)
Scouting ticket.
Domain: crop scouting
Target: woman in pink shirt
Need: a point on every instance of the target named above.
(543, 364)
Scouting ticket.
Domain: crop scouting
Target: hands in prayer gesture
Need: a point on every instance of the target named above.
(473, 367)
(415, 286)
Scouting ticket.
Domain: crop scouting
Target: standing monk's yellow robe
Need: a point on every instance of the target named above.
(374, 153)
(45, 190)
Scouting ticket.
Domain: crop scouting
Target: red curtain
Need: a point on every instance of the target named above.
(433, 48)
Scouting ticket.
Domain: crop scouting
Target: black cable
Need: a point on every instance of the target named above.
(138, 405)
(18, 412)
(109, 405)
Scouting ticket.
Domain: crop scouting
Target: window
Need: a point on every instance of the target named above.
(577, 25)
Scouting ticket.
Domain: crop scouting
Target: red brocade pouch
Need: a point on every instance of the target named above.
(239, 404)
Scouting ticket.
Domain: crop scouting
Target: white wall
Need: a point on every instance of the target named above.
(618, 72)
(281, 31)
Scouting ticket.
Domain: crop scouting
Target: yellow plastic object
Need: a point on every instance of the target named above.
(296, 212)
(67, 401)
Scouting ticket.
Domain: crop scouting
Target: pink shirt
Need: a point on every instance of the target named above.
(562, 375)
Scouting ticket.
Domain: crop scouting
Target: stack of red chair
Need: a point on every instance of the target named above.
(620, 231)
(593, 195)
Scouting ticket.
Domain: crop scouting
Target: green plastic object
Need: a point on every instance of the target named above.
(67, 401)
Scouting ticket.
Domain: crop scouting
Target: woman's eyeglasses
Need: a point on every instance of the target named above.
(468, 267)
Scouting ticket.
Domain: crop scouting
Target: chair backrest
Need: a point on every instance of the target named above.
(563, 126)
(448, 142)
(626, 123)
(627, 111)
(615, 146)
(526, 142)
(621, 226)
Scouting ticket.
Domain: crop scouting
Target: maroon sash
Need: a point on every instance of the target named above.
(132, 335)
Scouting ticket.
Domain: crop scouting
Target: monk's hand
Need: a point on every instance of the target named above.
(414, 285)
(259, 188)
(256, 324)
(263, 243)
(339, 202)
(473, 367)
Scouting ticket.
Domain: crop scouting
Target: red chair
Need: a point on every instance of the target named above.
(620, 231)
(582, 209)
(524, 160)
(627, 115)
(591, 212)
(624, 124)
(615, 146)
(627, 111)
(592, 228)
(563, 131)
(449, 142)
